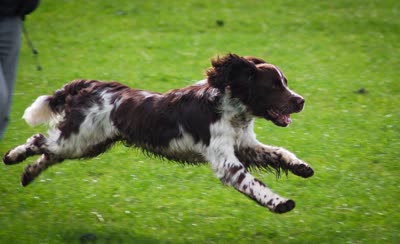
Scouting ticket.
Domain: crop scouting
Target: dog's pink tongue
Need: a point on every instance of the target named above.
(285, 119)
(288, 119)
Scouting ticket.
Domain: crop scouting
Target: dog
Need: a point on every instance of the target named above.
(210, 121)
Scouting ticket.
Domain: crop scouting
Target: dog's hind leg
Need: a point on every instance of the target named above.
(57, 149)
(33, 146)
(53, 152)
(32, 171)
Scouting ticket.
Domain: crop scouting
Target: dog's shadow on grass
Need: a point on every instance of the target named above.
(82, 236)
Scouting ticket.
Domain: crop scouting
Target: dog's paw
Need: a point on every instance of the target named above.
(284, 207)
(302, 170)
(27, 177)
(6, 159)
(13, 157)
(17, 155)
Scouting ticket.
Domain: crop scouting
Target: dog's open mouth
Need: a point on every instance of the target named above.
(278, 118)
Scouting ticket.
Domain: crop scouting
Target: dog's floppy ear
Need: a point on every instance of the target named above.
(230, 69)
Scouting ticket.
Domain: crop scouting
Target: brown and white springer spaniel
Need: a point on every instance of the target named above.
(210, 121)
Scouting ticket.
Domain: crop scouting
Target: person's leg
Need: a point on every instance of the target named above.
(3, 103)
(10, 42)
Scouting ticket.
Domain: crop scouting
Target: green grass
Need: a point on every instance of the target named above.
(327, 49)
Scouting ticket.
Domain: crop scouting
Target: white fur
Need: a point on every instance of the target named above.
(39, 112)
(186, 143)
(221, 146)
(224, 137)
(13, 154)
(96, 128)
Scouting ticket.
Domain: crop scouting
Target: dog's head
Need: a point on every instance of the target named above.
(260, 86)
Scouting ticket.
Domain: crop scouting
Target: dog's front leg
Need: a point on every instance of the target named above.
(230, 171)
(263, 156)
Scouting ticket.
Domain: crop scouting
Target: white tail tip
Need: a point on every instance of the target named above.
(39, 112)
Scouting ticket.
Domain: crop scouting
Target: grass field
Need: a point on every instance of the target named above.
(329, 50)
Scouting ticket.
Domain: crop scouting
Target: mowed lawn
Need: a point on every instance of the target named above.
(342, 56)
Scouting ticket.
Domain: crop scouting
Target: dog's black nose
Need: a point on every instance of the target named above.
(299, 102)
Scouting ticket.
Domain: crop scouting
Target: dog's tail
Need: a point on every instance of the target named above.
(51, 109)
(45, 109)
(39, 112)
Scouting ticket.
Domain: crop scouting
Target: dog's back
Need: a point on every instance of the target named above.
(86, 117)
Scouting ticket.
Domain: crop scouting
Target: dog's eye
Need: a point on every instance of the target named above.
(277, 85)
